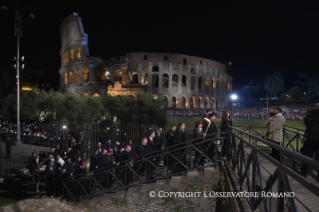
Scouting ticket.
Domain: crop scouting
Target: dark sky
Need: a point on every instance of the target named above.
(258, 38)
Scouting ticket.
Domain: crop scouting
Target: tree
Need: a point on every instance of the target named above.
(274, 83)
(295, 93)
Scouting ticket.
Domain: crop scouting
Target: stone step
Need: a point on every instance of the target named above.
(23, 171)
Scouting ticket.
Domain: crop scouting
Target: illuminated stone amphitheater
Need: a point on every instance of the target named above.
(182, 81)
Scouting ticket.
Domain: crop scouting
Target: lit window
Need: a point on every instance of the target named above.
(71, 54)
(66, 78)
(78, 52)
(67, 57)
(70, 77)
(85, 75)
(213, 83)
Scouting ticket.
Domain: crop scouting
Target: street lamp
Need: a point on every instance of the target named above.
(232, 97)
(18, 33)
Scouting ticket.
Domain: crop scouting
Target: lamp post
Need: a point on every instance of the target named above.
(232, 97)
(18, 33)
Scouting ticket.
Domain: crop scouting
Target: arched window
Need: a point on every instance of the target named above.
(213, 83)
(165, 81)
(200, 102)
(66, 78)
(66, 57)
(85, 94)
(155, 81)
(63, 58)
(165, 100)
(96, 95)
(135, 78)
(175, 80)
(71, 55)
(192, 71)
(174, 102)
(145, 78)
(85, 75)
(78, 52)
(207, 83)
(155, 69)
(199, 83)
(184, 80)
(184, 102)
(70, 77)
(77, 75)
(192, 83)
(191, 102)
(118, 76)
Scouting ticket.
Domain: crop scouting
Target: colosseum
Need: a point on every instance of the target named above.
(182, 81)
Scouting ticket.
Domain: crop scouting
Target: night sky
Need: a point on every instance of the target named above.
(258, 38)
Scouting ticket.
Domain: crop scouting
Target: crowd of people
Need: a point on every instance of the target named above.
(236, 112)
(61, 164)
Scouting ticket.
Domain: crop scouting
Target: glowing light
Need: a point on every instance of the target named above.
(230, 63)
(233, 97)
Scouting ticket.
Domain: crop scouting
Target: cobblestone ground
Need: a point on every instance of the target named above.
(138, 198)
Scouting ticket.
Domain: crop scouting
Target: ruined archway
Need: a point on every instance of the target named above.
(145, 79)
(207, 83)
(165, 81)
(155, 80)
(184, 102)
(174, 102)
(175, 80)
(134, 78)
(192, 83)
(184, 80)
(200, 83)
(192, 102)
(165, 100)
(200, 102)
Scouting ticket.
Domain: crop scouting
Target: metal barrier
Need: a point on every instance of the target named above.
(254, 174)
(130, 173)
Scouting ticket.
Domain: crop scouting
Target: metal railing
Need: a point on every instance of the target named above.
(130, 173)
(256, 171)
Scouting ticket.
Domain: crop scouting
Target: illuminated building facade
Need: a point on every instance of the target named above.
(180, 80)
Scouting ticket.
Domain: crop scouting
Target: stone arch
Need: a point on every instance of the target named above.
(67, 57)
(175, 80)
(200, 83)
(184, 102)
(145, 78)
(192, 71)
(206, 102)
(212, 103)
(213, 83)
(107, 75)
(135, 78)
(192, 102)
(174, 102)
(184, 80)
(165, 81)
(96, 95)
(192, 83)
(85, 94)
(207, 83)
(131, 96)
(118, 75)
(155, 69)
(155, 80)
(165, 100)
(200, 102)
(77, 75)
(70, 77)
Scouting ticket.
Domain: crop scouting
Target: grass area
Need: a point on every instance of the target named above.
(258, 123)
(19, 188)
